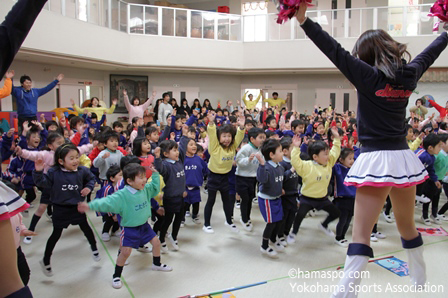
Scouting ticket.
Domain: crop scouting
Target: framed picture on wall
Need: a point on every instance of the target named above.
(135, 86)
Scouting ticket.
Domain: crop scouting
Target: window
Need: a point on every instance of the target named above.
(255, 20)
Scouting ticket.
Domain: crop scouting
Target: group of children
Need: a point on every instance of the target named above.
(294, 160)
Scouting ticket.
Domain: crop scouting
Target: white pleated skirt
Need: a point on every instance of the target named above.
(10, 202)
(397, 168)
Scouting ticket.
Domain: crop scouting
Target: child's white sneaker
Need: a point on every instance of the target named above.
(182, 224)
(208, 229)
(291, 238)
(238, 204)
(197, 221)
(426, 221)
(173, 242)
(255, 200)
(388, 218)
(163, 248)
(116, 283)
(326, 230)
(145, 249)
(436, 220)
(28, 239)
(380, 235)
(247, 226)
(342, 242)
(232, 227)
(269, 252)
(117, 233)
(283, 241)
(373, 238)
(46, 269)
(187, 214)
(162, 267)
(278, 247)
(105, 237)
(422, 199)
(96, 256)
(443, 217)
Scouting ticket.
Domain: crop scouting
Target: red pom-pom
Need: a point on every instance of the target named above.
(288, 8)
(439, 10)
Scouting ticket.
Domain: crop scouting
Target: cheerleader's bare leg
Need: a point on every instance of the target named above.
(369, 203)
(403, 202)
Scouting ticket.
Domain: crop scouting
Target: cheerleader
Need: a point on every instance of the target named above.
(386, 165)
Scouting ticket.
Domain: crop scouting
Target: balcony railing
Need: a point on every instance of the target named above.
(186, 23)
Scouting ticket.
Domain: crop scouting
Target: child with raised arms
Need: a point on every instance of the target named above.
(316, 176)
(70, 183)
(222, 148)
(133, 203)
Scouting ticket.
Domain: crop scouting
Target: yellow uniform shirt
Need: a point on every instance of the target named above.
(275, 102)
(221, 159)
(413, 145)
(98, 111)
(251, 104)
(315, 177)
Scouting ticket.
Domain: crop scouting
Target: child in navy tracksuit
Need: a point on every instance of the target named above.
(270, 177)
(92, 121)
(32, 140)
(171, 168)
(344, 196)
(69, 184)
(110, 220)
(431, 146)
(291, 191)
(195, 170)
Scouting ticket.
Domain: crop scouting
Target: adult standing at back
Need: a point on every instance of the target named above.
(134, 108)
(275, 101)
(27, 96)
(95, 107)
(164, 109)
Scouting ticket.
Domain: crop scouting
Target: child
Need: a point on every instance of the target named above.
(444, 153)
(195, 170)
(290, 189)
(297, 128)
(142, 149)
(222, 146)
(109, 156)
(118, 128)
(384, 83)
(431, 187)
(114, 176)
(172, 170)
(246, 173)
(271, 123)
(316, 175)
(133, 203)
(176, 125)
(54, 141)
(69, 184)
(270, 177)
(92, 120)
(152, 134)
(344, 196)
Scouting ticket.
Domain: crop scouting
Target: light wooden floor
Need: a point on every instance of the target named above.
(211, 262)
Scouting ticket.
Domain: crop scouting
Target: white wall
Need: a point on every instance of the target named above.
(75, 38)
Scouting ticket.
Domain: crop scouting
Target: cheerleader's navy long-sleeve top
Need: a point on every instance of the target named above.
(65, 185)
(382, 101)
